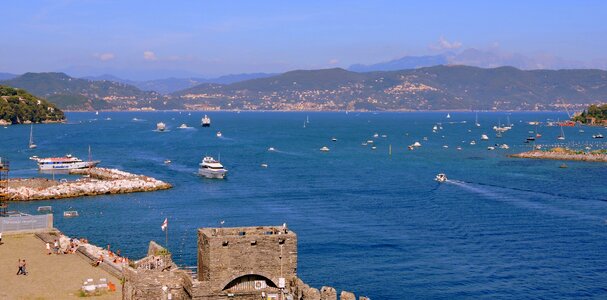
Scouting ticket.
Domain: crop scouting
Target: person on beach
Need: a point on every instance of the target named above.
(0, 237)
(99, 261)
(56, 247)
(20, 265)
(48, 248)
(24, 267)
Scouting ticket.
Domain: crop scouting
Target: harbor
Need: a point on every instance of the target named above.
(95, 181)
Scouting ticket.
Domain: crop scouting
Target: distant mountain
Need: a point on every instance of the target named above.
(439, 87)
(5, 76)
(17, 106)
(407, 62)
(81, 94)
(170, 85)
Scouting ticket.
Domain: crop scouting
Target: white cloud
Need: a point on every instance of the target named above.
(444, 44)
(149, 55)
(104, 56)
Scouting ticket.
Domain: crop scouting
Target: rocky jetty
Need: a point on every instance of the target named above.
(564, 154)
(100, 181)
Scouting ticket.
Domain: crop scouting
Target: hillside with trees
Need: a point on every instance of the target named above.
(17, 106)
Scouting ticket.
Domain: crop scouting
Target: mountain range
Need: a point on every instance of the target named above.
(427, 88)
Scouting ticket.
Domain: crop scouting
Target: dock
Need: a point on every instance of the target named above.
(98, 181)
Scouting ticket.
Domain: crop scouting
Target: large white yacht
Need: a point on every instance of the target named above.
(211, 168)
(206, 121)
(67, 162)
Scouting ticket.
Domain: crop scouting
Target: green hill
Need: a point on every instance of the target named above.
(439, 87)
(81, 94)
(18, 106)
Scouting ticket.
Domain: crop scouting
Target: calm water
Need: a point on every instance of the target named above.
(367, 222)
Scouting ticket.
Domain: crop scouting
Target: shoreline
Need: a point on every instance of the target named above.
(561, 155)
(102, 181)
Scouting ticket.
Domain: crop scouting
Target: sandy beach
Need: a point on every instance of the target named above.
(49, 276)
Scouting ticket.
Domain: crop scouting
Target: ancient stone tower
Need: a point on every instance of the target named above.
(247, 259)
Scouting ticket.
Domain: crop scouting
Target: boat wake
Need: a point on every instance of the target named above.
(493, 193)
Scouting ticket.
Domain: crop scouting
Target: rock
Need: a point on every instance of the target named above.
(347, 296)
(328, 293)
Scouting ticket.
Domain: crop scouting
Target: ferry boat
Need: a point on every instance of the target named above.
(160, 126)
(206, 121)
(67, 162)
(211, 168)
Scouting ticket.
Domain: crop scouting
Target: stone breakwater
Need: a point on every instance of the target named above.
(538, 154)
(102, 181)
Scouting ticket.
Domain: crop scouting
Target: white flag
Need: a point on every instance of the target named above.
(165, 224)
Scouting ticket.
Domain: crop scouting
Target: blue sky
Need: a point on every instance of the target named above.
(140, 39)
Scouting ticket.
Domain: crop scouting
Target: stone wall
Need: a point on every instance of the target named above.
(229, 253)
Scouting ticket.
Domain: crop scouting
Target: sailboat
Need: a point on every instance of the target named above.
(476, 120)
(307, 120)
(448, 116)
(31, 144)
(562, 136)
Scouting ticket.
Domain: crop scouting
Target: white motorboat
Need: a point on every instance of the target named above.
(597, 136)
(490, 148)
(373, 148)
(67, 162)
(184, 126)
(219, 134)
(416, 144)
(271, 149)
(448, 116)
(484, 137)
(441, 177)
(472, 142)
(70, 214)
(324, 149)
(334, 139)
(160, 126)
(206, 121)
(375, 135)
(211, 168)
(167, 161)
(504, 146)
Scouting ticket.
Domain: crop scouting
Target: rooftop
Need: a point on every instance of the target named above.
(246, 231)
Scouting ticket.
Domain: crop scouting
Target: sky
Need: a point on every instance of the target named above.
(156, 39)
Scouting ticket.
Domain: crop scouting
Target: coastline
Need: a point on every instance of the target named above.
(561, 155)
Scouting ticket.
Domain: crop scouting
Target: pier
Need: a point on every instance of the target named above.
(98, 181)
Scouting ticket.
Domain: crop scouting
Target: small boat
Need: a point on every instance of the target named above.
(211, 168)
(376, 135)
(410, 147)
(484, 137)
(417, 144)
(445, 146)
(597, 136)
(96, 113)
(384, 136)
(264, 165)
(206, 121)
(370, 142)
(364, 144)
(425, 138)
(441, 177)
(505, 146)
(70, 214)
(334, 139)
(45, 209)
(448, 116)
(490, 148)
(459, 148)
(373, 148)
(324, 149)
(183, 126)
(476, 121)
(530, 138)
(562, 136)
(31, 143)
(160, 126)
(473, 142)
(563, 166)
(219, 134)
(271, 149)
(167, 161)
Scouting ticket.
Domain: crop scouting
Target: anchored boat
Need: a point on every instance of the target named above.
(67, 162)
(206, 121)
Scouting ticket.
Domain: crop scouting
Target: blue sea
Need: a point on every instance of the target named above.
(367, 221)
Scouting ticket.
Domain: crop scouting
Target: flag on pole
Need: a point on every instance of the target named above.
(165, 224)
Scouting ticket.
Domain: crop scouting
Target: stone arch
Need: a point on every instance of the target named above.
(247, 282)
